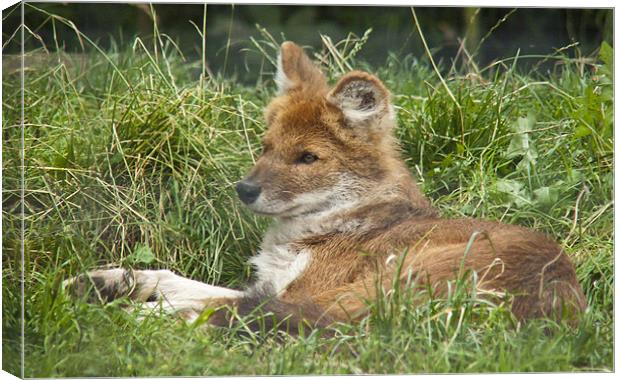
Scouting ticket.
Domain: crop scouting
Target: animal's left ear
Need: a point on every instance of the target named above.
(361, 97)
(297, 72)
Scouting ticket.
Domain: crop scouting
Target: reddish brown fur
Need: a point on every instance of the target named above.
(332, 176)
(345, 266)
(526, 264)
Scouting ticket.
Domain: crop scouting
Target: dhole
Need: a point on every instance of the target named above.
(346, 209)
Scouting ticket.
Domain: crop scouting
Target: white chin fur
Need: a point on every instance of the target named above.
(268, 207)
(320, 201)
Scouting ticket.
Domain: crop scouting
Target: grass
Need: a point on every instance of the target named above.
(130, 161)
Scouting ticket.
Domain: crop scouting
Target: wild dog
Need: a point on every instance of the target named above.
(346, 210)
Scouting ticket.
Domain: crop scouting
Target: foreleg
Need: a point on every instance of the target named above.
(155, 287)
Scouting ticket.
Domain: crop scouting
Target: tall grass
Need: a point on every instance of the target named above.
(130, 161)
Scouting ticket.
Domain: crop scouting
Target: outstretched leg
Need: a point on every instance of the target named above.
(155, 287)
(163, 291)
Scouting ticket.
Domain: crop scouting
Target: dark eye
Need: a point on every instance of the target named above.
(307, 158)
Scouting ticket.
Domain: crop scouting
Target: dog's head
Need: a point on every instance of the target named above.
(325, 146)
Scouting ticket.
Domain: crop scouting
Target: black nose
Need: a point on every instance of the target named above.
(247, 192)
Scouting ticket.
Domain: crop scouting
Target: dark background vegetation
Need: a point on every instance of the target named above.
(490, 33)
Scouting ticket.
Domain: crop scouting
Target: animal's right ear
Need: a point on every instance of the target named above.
(362, 98)
(296, 72)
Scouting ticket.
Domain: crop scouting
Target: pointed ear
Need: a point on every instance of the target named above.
(296, 72)
(361, 97)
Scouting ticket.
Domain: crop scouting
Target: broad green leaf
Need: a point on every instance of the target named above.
(582, 131)
(606, 54)
(521, 144)
(512, 191)
(546, 196)
(142, 254)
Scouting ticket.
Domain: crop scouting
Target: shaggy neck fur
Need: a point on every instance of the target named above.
(353, 214)
(283, 256)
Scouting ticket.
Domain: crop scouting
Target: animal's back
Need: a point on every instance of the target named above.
(509, 261)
